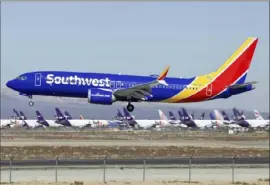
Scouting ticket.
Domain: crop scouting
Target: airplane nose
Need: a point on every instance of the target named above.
(9, 84)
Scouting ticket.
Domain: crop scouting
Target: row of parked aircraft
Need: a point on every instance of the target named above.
(126, 120)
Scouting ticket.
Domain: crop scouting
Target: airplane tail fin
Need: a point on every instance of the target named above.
(59, 114)
(172, 117)
(81, 117)
(258, 116)
(185, 114)
(234, 70)
(218, 115)
(225, 116)
(23, 116)
(16, 112)
(180, 115)
(211, 115)
(162, 115)
(202, 116)
(68, 116)
(127, 114)
(238, 115)
(119, 114)
(39, 116)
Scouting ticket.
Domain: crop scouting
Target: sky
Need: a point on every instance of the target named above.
(194, 38)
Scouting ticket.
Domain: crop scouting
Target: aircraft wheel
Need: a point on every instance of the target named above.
(31, 103)
(130, 107)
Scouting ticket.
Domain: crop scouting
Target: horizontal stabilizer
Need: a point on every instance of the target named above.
(236, 86)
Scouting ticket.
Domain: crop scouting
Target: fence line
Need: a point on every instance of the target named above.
(143, 162)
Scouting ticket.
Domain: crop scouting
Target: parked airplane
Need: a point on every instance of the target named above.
(176, 122)
(187, 120)
(5, 123)
(46, 123)
(17, 116)
(59, 116)
(80, 123)
(248, 123)
(222, 120)
(100, 88)
(164, 122)
(32, 124)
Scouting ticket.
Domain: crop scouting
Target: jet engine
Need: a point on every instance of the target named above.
(100, 96)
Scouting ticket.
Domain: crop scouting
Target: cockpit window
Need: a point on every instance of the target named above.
(21, 78)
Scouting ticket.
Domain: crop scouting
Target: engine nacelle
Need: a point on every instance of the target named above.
(100, 96)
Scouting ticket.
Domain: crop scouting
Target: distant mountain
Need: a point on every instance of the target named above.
(46, 105)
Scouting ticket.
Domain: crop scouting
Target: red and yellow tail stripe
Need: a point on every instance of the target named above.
(237, 65)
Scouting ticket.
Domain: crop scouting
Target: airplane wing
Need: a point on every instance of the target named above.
(142, 90)
(236, 86)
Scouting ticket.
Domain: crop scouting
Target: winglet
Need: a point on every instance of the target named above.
(164, 73)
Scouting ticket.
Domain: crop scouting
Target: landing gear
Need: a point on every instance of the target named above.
(31, 103)
(130, 107)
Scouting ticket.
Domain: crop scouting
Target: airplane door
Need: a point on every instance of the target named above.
(38, 79)
(118, 84)
(209, 90)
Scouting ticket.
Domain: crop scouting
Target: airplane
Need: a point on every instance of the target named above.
(258, 116)
(173, 119)
(105, 89)
(59, 116)
(32, 124)
(46, 123)
(222, 120)
(187, 120)
(14, 121)
(80, 123)
(164, 122)
(248, 123)
(5, 123)
(17, 116)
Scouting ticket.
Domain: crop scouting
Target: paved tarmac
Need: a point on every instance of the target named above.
(118, 174)
(154, 161)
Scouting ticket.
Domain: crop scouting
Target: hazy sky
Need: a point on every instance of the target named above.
(136, 38)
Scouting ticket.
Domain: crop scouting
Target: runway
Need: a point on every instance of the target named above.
(131, 175)
(139, 161)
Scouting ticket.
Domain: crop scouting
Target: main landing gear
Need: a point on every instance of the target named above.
(130, 107)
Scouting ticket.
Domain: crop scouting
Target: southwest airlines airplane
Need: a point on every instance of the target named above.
(101, 88)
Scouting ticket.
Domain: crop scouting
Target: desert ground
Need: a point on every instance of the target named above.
(47, 144)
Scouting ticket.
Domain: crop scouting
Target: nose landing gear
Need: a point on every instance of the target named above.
(31, 103)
